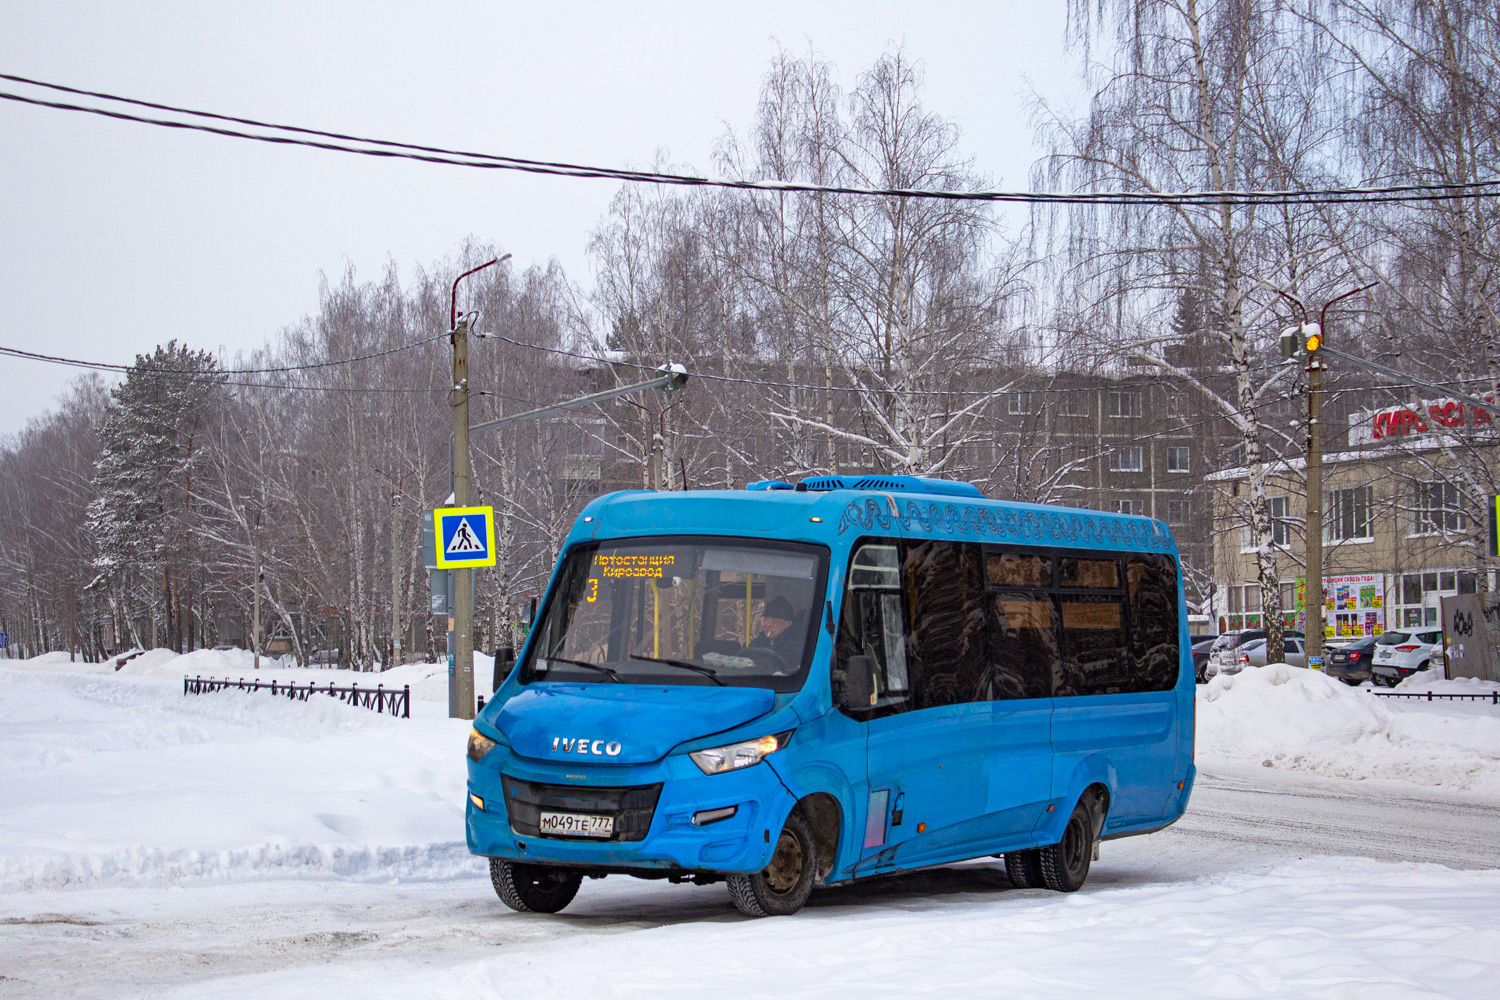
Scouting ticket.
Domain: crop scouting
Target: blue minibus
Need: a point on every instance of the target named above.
(788, 687)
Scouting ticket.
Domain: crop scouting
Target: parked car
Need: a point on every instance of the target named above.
(1224, 652)
(1202, 646)
(1253, 654)
(1398, 655)
(1351, 662)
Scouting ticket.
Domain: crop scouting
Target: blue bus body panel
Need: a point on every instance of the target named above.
(980, 777)
(643, 722)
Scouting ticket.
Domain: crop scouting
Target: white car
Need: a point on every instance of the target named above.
(1398, 655)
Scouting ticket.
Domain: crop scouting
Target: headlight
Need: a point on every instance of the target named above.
(738, 755)
(479, 745)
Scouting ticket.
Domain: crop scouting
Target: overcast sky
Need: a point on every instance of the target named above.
(114, 236)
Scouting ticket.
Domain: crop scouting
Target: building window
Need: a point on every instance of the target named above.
(1174, 404)
(1126, 507)
(1281, 532)
(1124, 404)
(1019, 402)
(1349, 514)
(1434, 509)
(1177, 511)
(1127, 459)
(1419, 595)
(1244, 605)
(1177, 459)
(1074, 404)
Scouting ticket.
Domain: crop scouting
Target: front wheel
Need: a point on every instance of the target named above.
(780, 888)
(533, 888)
(1065, 864)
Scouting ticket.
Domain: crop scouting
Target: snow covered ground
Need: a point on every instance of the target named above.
(234, 845)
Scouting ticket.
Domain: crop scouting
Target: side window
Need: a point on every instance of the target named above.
(872, 623)
(1024, 655)
(1095, 659)
(1154, 657)
(946, 594)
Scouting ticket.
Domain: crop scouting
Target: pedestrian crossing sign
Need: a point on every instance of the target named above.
(465, 536)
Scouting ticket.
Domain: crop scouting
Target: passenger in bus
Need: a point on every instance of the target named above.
(776, 632)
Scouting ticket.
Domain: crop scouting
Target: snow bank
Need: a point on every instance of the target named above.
(1432, 680)
(1325, 927)
(1284, 716)
(126, 778)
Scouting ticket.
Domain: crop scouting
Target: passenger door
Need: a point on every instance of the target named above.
(1023, 658)
(915, 609)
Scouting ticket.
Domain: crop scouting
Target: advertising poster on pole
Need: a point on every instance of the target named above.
(1353, 606)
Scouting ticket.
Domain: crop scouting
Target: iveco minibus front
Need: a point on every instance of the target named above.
(638, 732)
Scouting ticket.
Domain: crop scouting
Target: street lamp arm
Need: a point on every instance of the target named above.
(671, 381)
(453, 302)
(1323, 316)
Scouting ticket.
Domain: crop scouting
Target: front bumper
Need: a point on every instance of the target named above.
(742, 843)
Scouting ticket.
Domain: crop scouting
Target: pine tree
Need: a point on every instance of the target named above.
(143, 508)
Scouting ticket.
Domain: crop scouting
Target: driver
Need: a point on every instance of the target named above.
(776, 631)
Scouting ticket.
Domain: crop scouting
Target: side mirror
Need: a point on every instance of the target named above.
(505, 658)
(859, 684)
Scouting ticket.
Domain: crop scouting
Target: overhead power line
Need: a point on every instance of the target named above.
(215, 373)
(295, 135)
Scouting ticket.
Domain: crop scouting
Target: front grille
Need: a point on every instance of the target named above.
(631, 807)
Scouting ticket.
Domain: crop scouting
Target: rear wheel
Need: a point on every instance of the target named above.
(1065, 864)
(1024, 868)
(780, 888)
(533, 888)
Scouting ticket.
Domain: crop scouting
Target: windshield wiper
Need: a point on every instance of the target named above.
(592, 666)
(712, 675)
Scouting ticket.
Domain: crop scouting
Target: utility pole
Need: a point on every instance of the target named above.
(255, 620)
(395, 579)
(1314, 559)
(1308, 339)
(463, 578)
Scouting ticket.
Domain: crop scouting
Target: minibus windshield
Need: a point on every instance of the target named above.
(676, 610)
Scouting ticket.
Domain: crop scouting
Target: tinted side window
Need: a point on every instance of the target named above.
(873, 623)
(1094, 651)
(946, 594)
(1024, 655)
(1153, 622)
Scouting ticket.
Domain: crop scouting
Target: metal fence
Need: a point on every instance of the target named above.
(1493, 697)
(390, 702)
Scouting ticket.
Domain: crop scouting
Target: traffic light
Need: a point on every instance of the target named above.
(1304, 339)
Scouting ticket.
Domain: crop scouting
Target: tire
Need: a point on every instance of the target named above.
(533, 888)
(1024, 868)
(780, 889)
(1065, 864)
(1350, 681)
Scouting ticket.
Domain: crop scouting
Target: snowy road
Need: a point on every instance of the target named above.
(126, 942)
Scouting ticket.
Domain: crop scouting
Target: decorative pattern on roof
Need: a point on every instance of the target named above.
(1047, 527)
